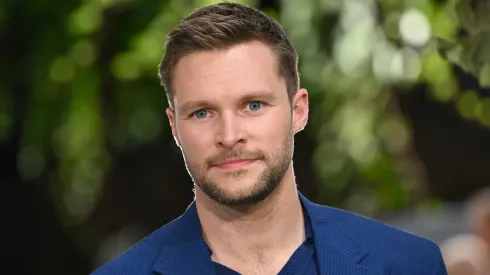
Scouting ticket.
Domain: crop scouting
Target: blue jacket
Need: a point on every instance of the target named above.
(345, 244)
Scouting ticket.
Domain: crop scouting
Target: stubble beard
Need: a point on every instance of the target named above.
(271, 177)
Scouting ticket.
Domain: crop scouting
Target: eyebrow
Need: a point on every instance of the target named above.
(199, 104)
(193, 105)
(263, 95)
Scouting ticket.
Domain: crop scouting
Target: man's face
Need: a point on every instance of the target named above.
(234, 122)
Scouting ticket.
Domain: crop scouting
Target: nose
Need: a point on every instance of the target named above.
(230, 132)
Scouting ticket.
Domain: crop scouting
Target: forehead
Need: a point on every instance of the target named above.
(222, 74)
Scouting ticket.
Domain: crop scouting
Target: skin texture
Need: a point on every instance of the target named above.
(235, 124)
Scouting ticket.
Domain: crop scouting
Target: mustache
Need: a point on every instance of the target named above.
(233, 154)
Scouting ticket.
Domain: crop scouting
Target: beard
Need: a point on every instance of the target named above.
(277, 164)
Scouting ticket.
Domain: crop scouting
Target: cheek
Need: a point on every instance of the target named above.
(194, 142)
(273, 128)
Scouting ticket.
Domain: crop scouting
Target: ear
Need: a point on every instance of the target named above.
(171, 119)
(300, 110)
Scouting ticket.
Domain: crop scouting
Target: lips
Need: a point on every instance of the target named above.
(234, 164)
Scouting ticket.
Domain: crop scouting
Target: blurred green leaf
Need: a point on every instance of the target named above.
(466, 15)
(444, 46)
(467, 104)
(84, 52)
(86, 19)
(468, 55)
(484, 76)
(443, 24)
(383, 174)
(475, 53)
(390, 25)
(125, 67)
(62, 70)
(483, 112)
(482, 10)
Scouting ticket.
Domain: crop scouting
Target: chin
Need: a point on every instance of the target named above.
(235, 178)
(233, 192)
(237, 188)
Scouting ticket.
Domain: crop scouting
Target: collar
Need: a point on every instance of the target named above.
(308, 227)
(186, 252)
(335, 249)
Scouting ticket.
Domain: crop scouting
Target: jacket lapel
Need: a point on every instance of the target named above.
(336, 251)
(186, 252)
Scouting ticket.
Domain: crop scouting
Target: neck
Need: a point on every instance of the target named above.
(274, 225)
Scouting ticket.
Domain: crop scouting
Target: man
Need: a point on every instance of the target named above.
(232, 82)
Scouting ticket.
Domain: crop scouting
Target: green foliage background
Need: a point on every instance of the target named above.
(89, 75)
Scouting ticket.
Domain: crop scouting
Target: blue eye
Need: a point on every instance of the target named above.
(201, 114)
(254, 105)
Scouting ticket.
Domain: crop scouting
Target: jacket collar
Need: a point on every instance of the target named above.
(186, 253)
(336, 251)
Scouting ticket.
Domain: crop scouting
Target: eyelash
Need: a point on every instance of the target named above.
(193, 114)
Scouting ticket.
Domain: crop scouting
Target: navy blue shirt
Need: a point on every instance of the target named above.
(302, 262)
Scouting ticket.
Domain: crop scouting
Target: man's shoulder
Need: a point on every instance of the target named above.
(386, 244)
(362, 227)
(140, 258)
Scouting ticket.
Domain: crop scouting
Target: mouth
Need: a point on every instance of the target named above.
(234, 164)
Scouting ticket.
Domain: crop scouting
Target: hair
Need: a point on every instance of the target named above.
(220, 27)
